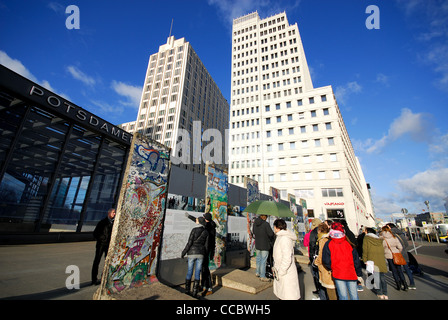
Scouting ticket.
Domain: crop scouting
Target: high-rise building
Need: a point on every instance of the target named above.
(285, 133)
(180, 102)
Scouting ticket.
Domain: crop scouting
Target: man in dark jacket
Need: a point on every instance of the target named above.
(102, 234)
(264, 238)
(196, 249)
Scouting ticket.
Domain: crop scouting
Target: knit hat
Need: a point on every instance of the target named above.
(207, 216)
(337, 230)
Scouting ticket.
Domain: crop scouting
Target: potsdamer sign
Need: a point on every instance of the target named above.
(60, 106)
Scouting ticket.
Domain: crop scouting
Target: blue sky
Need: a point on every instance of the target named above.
(391, 83)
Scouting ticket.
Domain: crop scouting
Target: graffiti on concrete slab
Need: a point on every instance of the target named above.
(141, 212)
(216, 203)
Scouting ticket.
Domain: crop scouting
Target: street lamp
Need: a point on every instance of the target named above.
(432, 221)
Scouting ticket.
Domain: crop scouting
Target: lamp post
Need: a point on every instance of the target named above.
(432, 221)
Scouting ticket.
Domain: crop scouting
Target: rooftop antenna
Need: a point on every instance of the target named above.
(171, 27)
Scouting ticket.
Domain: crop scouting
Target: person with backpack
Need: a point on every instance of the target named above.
(341, 257)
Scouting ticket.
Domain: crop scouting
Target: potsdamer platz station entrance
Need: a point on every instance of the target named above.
(61, 167)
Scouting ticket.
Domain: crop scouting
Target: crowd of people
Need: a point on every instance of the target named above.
(337, 258)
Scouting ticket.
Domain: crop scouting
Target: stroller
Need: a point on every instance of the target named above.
(414, 266)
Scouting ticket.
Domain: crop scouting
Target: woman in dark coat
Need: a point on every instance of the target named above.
(195, 249)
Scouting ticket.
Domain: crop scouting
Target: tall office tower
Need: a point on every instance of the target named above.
(285, 133)
(180, 102)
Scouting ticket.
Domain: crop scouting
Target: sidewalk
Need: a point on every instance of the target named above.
(38, 272)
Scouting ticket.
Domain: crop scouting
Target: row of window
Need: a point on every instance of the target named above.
(282, 146)
(306, 159)
(278, 119)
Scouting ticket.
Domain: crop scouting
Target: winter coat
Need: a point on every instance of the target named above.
(197, 242)
(287, 285)
(372, 249)
(342, 259)
(313, 247)
(404, 242)
(263, 234)
(394, 244)
(103, 231)
(325, 277)
(211, 229)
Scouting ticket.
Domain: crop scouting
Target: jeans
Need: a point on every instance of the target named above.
(397, 272)
(409, 273)
(262, 257)
(346, 288)
(195, 263)
(379, 283)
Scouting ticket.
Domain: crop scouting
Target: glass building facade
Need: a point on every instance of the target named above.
(61, 167)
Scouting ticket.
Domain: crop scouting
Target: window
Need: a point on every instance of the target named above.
(333, 157)
(308, 175)
(328, 125)
(323, 98)
(326, 112)
(303, 129)
(268, 120)
(332, 192)
(331, 141)
(291, 130)
(279, 132)
(289, 117)
(315, 127)
(268, 134)
(292, 145)
(282, 176)
(280, 147)
(336, 174)
(313, 113)
(311, 100)
(305, 144)
(295, 176)
(299, 102)
(281, 162)
(322, 175)
(319, 157)
(294, 160)
(317, 142)
(270, 162)
(306, 159)
(279, 119)
(270, 177)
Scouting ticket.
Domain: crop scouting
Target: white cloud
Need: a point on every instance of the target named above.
(429, 19)
(132, 93)
(383, 79)
(18, 67)
(415, 125)
(431, 185)
(106, 108)
(81, 76)
(343, 93)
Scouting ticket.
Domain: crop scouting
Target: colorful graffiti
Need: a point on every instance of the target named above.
(253, 194)
(216, 204)
(142, 206)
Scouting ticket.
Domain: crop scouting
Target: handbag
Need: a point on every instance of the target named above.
(397, 257)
